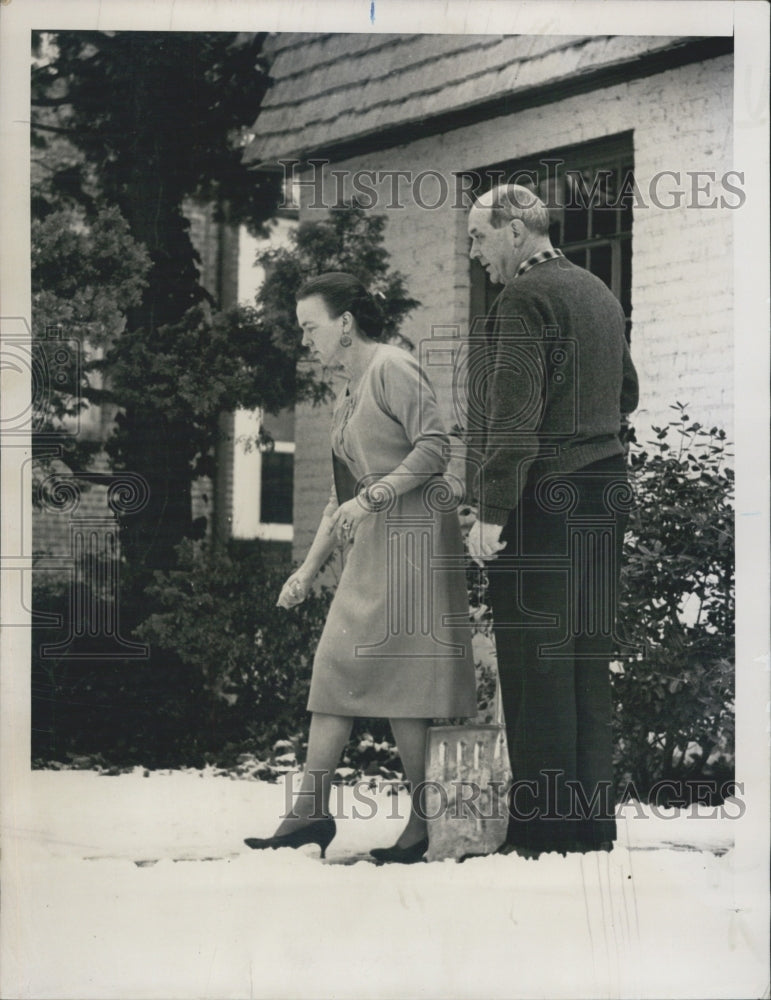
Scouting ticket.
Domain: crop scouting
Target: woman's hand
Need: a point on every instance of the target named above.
(346, 520)
(294, 591)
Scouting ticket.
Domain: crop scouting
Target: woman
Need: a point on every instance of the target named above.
(396, 643)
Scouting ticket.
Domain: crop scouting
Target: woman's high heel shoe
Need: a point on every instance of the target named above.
(318, 831)
(400, 855)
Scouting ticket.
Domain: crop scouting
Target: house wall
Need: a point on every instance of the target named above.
(51, 525)
(682, 333)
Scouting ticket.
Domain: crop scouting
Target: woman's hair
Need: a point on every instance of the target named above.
(341, 293)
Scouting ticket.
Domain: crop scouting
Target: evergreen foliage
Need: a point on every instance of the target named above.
(137, 124)
(675, 697)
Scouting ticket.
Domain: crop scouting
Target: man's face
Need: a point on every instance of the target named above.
(493, 248)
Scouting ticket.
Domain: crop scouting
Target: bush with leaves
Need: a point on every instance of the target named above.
(482, 643)
(217, 612)
(674, 696)
(228, 671)
(155, 711)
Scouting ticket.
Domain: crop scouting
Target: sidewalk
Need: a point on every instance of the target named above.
(112, 895)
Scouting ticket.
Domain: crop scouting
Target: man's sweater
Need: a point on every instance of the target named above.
(556, 379)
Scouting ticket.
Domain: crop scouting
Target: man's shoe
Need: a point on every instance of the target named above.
(529, 853)
(504, 848)
(400, 855)
(586, 847)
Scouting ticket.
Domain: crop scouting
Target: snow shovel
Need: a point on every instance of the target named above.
(467, 780)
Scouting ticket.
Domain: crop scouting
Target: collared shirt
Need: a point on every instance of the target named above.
(538, 258)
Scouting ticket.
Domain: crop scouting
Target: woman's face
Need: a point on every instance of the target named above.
(321, 333)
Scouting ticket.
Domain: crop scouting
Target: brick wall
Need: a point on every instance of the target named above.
(682, 333)
(51, 527)
(312, 472)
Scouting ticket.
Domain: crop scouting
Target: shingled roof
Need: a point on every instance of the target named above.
(332, 93)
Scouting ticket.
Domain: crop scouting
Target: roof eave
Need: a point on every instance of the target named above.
(585, 80)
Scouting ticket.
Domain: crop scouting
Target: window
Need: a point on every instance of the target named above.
(276, 485)
(263, 480)
(589, 190)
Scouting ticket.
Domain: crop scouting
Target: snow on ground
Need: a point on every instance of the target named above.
(138, 886)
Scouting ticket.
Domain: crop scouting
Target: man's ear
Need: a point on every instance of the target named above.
(517, 228)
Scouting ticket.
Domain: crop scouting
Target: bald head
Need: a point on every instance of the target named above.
(512, 201)
(506, 226)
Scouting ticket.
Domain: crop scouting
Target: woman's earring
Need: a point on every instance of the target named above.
(345, 340)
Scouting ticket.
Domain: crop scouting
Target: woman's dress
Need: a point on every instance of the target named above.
(397, 641)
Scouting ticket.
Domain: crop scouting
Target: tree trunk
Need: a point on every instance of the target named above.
(157, 450)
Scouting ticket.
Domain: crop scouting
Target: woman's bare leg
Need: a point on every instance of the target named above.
(410, 737)
(327, 736)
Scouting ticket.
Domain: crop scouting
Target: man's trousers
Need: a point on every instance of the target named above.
(553, 592)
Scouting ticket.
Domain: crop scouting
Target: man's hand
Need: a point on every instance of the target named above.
(484, 541)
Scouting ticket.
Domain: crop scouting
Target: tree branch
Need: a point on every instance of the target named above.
(63, 131)
(50, 102)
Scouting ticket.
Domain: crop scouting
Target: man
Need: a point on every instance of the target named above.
(555, 375)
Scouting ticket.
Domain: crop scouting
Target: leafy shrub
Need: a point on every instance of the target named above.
(482, 643)
(218, 614)
(228, 671)
(674, 698)
(121, 712)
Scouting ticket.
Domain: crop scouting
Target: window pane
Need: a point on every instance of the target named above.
(280, 426)
(627, 201)
(604, 216)
(604, 221)
(576, 223)
(276, 488)
(552, 193)
(626, 276)
(577, 256)
(600, 263)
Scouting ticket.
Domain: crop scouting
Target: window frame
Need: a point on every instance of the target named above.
(615, 153)
(256, 528)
